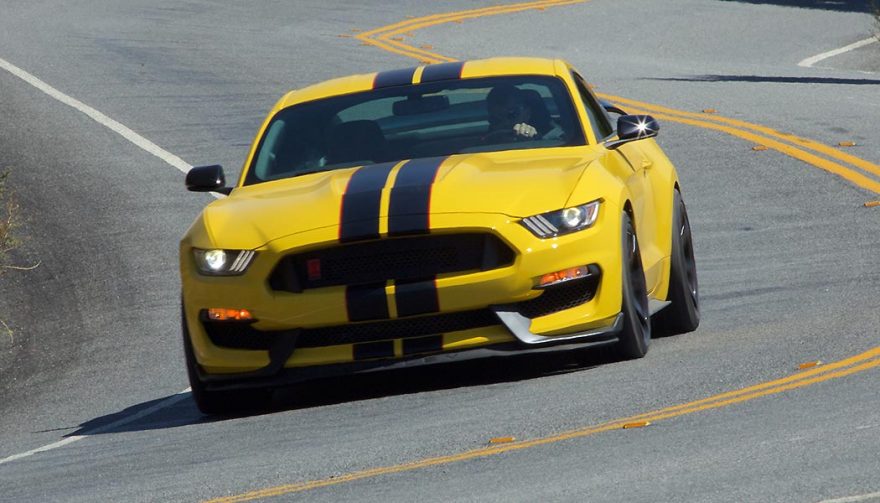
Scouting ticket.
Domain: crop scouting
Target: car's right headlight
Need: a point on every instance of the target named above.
(217, 262)
(564, 221)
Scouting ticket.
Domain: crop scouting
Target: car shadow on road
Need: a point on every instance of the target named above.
(438, 377)
(180, 410)
(841, 6)
(760, 78)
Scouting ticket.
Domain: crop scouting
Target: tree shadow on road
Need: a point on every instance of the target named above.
(180, 410)
(834, 5)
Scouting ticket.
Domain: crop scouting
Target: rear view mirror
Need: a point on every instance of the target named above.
(207, 179)
(414, 105)
(633, 128)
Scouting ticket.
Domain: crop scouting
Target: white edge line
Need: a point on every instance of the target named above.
(809, 62)
(115, 424)
(148, 147)
(101, 118)
(853, 499)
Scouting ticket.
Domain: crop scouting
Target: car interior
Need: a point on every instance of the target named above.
(407, 122)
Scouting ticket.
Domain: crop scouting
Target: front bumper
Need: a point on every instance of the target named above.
(503, 292)
(276, 373)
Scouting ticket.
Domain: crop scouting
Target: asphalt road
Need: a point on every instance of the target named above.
(787, 255)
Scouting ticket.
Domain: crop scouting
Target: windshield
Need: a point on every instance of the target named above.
(426, 120)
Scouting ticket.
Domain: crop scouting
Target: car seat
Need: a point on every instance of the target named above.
(356, 141)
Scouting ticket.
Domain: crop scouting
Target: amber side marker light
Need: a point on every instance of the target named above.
(563, 275)
(226, 314)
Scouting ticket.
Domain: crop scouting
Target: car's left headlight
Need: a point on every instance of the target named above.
(218, 262)
(564, 221)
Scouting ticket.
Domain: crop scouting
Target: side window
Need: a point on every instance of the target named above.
(598, 118)
(267, 162)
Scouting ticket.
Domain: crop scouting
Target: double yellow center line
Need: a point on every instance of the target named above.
(855, 170)
(842, 368)
(391, 37)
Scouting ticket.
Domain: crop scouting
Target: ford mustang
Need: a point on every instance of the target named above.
(420, 215)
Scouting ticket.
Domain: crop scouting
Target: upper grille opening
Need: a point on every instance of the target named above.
(403, 258)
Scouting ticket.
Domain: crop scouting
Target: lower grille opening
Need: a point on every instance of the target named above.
(238, 335)
(244, 336)
(560, 297)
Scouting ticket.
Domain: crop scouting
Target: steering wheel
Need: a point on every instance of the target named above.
(501, 134)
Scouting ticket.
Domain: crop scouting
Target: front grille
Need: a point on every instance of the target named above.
(561, 297)
(404, 258)
(244, 336)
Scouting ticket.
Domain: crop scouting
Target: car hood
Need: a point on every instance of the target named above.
(512, 183)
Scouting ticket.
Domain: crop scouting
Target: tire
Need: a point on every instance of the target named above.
(635, 337)
(226, 402)
(683, 314)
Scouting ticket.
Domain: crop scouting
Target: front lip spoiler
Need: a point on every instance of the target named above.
(275, 375)
(519, 327)
(295, 375)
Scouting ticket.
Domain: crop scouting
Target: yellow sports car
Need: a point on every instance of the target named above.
(420, 215)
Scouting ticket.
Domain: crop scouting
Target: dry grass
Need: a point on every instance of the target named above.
(8, 222)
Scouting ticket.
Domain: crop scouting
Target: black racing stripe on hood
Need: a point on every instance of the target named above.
(442, 71)
(402, 77)
(359, 215)
(408, 212)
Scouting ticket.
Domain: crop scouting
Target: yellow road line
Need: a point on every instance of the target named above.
(854, 177)
(409, 52)
(419, 23)
(811, 144)
(843, 368)
(807, 374)
(382, 37)
(433, 19)
(404, 25)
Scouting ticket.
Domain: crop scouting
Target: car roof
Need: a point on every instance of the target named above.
(406, 76)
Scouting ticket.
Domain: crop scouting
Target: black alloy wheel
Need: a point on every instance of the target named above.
(635, 336)
(683, 313)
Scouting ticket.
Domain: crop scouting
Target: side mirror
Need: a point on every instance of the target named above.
(207, 179)
(611, 107)
(633, 128)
